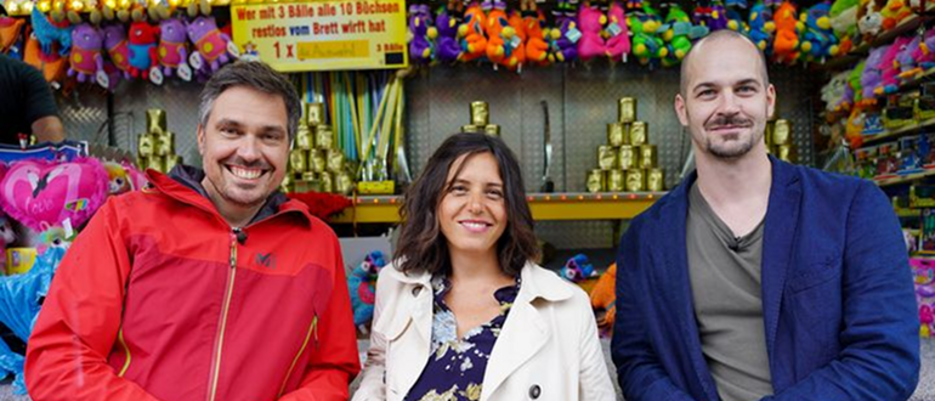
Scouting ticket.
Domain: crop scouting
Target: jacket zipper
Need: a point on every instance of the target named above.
(126, 348)
(216, 362)
(313, 328)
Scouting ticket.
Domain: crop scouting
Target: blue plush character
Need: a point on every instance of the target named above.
(578, 269)
(819, 40)
(361, 287)
(761, 27)
(48, 33)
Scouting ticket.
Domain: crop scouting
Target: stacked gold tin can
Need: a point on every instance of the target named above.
(779, 139)
(628, 162)
(156, 146)
(480, 120)
(315, 165)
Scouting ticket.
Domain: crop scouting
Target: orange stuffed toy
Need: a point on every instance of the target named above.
(537, 49)
(604, 300)
(471, 33)
(788, 26)
(497, 35)
(52, 65)
(516, 48)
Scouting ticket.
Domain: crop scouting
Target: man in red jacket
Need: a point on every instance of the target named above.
(210, 285)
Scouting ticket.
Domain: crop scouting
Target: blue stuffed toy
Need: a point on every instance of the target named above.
(360, 284)
(578, 269)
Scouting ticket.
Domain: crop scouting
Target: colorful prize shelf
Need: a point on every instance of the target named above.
(555, 206)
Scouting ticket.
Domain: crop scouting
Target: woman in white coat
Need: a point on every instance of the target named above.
(462, 313)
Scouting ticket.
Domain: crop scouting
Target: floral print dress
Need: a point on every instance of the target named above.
(455, 369)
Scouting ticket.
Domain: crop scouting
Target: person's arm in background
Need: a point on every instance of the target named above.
(333, 366)
(639, 373)
(41, 110)
(66, 356)
(594, 381)
(879, 357)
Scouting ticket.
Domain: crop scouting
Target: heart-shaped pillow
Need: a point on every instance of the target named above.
(41, 194)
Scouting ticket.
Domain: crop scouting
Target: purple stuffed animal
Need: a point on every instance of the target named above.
(85, 59)
(210, 42)
(872, 74)
(173, 49)
(924, 55)
(447, 50)
(420, 26)
(115, 42)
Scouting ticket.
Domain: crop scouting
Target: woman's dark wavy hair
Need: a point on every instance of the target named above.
(423, 248)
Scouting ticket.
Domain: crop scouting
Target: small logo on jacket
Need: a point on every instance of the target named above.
(268, 260)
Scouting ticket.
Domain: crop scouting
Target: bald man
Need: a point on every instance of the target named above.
(756, 279)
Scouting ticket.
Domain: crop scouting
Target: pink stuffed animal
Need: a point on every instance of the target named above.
(591, 22)
(889, 70)
(618, 46)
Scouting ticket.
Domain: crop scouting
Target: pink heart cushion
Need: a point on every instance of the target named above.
(41, 194)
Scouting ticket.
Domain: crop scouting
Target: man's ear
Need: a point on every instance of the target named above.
(680, 110)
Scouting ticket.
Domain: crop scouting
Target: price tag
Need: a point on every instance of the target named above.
(102, 79)
(573, 35)
(185, 72)
(155, 75)
(516, 41)
(233, 49)
(195, 61)
(614, 29)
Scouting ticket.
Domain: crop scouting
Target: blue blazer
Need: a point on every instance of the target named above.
(838, 307)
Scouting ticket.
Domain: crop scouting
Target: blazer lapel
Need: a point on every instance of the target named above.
(416, 311)
(675, 281)
(782, 217)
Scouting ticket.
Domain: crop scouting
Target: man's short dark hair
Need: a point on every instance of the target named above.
(717, 36)
(255, 75)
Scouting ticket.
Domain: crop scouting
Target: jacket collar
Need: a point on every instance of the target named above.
(537, 283)
(184, 184)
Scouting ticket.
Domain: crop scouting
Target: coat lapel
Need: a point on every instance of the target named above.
(782, 217)
(525, 331)
(416, 311)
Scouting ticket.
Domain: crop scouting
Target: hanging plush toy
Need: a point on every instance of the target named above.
(563, 40)
(516, 47)
(537, 48)
(10, 29)
(924, 55)
(762, 27)
(86, 59)
(210, 43)
(49, 33)
(591, 23)
(678, 34)
(497, 38)
(41, 194)
(618, 44)
(818, 41)
(173, 47)
(448, 50)
(361, 287)
(472, 34)
(421, 34)
(843, 15)
(142, 48)
(647, 44)
(118, 50)
(52, 64)
(604, 300)
(906, 63)
(788, 28)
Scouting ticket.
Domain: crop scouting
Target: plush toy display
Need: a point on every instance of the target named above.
(924, 54)
(448, 50)
(788, 28)
(86, 59)
(472, 34)
(591, 23)
(905, 62)
(563, 41)
(516, 48)
(818, 41)
(41, 194)
(498, 35)
(173, 47)
(53, 66)
(210, 42)
(647, 44)
(894, 12)
(618, 44)
(48, 33)
(873, 73)
(422, 33)
(677, 34)
(869, 19)
(362, 290)
(762, 27)
(118, 50)
(889, 68)
(7, 237)
(142, 48)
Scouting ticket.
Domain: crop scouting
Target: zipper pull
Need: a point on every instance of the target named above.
(315, 330)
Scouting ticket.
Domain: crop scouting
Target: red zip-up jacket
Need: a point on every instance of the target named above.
(157, 299)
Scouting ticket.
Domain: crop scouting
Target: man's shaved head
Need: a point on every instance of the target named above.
(718, 38)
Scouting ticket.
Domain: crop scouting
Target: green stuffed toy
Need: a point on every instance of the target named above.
(647, 41)
(677, 34)
(843, 17)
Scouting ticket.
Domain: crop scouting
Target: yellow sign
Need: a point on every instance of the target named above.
(323, 34)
